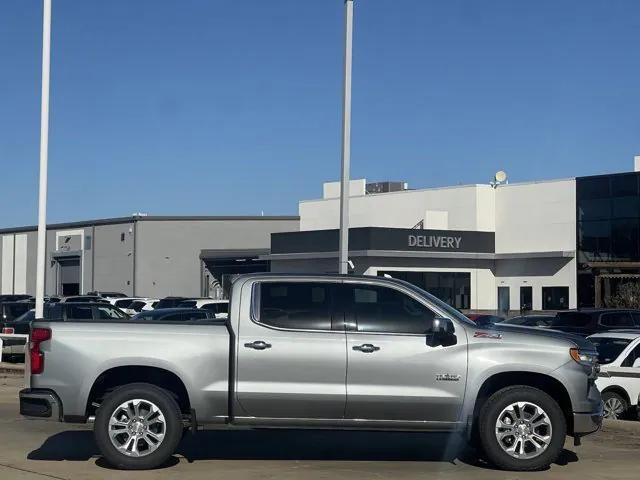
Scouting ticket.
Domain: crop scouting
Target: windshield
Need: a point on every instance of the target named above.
(609, 348)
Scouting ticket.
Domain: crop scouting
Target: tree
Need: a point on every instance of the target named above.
(627, 296)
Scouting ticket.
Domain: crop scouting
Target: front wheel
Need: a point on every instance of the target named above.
(521, 428)
(138, 427)
(615, 406)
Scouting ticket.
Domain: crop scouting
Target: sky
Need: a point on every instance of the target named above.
(218, 107)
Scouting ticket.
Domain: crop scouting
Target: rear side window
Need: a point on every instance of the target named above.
(187, 304)
(572, 319)
(386, 310)
(295, 305)
(636, 319)
(195, 315)
(123, 303)
(17, 309)
(79, 312)
(616, 320)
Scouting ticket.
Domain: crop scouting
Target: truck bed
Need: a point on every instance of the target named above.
(80, 352)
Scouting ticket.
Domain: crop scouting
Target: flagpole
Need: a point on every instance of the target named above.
(343, 261)
(44, 158)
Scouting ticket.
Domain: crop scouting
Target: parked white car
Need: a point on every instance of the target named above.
(619, 378)
(218, 307)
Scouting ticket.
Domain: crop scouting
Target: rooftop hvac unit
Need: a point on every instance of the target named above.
(386, 187)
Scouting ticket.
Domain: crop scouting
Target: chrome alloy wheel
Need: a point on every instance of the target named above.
(137, 428)
(523, 430)
(613, 408)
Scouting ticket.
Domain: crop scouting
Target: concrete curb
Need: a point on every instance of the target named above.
(14, 369)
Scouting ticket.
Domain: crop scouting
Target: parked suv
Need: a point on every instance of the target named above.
(589, 321)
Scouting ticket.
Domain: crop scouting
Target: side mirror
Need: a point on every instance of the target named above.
(636, 363)
(442, 333)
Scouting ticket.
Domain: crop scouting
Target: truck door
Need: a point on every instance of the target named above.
(393, 374)
(292, 352)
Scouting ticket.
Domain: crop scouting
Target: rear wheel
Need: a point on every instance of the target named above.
(615, 405)
(138, 427)
(521, 428)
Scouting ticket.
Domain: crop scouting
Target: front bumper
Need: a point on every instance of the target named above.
(586, 423)
(42, 404)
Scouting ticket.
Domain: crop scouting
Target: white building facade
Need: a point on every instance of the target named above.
(478, 247)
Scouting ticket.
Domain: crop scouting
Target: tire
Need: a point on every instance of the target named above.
(535, 443)
(148, 443)
(615, 406)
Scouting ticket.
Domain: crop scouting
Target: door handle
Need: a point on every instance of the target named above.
(366, 348)
(258, 345)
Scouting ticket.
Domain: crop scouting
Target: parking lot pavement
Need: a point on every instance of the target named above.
(37, 450)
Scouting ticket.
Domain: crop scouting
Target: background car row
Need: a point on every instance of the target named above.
(17, 312)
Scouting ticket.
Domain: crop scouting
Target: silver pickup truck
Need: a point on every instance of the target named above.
(302, 351)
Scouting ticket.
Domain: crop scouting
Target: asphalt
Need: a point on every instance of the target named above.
(39, 450)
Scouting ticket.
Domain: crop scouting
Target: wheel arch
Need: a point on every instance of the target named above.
(115, 377)
(546, 383)
(620, 391)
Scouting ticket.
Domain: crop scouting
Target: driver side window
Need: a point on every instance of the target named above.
(386, 310)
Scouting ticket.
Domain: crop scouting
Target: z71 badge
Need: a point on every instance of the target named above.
(447, 377)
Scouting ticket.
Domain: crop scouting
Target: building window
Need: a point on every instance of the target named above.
(608, 214)
(555, 298)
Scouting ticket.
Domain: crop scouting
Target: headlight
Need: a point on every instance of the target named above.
(585, 358)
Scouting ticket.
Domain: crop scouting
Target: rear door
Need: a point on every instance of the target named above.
(392, 373)
(291, 352)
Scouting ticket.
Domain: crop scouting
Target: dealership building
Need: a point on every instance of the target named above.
(546, 245)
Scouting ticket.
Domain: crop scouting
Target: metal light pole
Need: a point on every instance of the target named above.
(346, 140)
(44, 157)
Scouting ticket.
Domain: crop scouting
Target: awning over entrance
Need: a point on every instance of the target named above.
(397, 242)
(221, 266)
